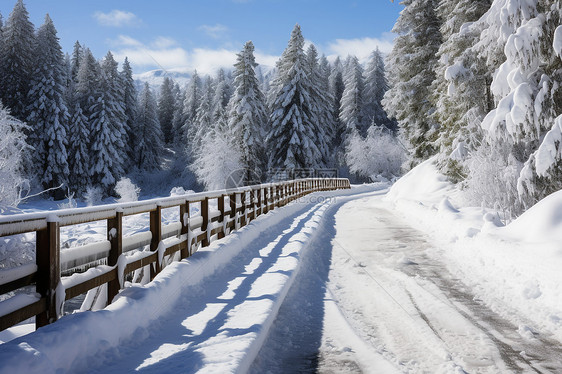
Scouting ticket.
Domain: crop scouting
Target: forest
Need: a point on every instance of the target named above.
(470, 84)
(80, 125)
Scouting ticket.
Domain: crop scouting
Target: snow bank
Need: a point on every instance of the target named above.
(83, 341)
(515, 269)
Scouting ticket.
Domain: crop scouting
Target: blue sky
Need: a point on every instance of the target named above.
(206, 34)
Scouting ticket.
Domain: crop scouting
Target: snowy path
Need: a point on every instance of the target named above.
(389, 306)
(334, 283)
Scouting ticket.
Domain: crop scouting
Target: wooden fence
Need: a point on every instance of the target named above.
(220, 212)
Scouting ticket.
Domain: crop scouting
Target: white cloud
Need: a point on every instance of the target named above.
(215, 32)
(117, 18)
(361, 48)
(165, 53)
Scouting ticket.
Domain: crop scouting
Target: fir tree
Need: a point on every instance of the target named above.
(78, 155)
(16, 64)
(248, 115)
(351, 109)
(48, 115)
(129, 102)
(77, 52)
(320, 96)
(191, 102)
(336, 90)
(375, 87)
(203, 122)
(293, 136)
(461, 88)
(148, 145)
(411, 72)
(166, 108)
(107, 121)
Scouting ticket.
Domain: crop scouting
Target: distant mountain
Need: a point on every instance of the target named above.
(156, 77)
(183, 75)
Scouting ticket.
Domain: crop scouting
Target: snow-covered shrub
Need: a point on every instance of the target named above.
(126, 190)
(93, 195)
(12, 146)
(380, 153)
(180, 191)
(70, 203)
(218, 159)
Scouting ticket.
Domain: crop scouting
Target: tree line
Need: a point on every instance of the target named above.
(85, 125)
(476, 83)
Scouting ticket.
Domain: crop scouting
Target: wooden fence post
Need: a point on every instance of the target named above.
(156, 230)
(260, 200)
(233, 210)
(184, 219)
(115, 237)
(47, 258)
(220, 204)
(205, 224)
(243, 212)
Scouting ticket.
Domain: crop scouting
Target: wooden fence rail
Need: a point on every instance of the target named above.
(220, 213)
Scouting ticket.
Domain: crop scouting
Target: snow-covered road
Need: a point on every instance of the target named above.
(390, 305)
(335, 282)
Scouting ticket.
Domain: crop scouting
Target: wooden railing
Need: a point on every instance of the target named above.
(219, 213)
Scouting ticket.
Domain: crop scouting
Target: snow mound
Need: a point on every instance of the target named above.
(421, 183)
(542, 222)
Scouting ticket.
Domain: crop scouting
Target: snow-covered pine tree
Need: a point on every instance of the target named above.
(223, 93)
(336, 90)
(87, 84)
(411, 71)
(17, 62)
(148, 145)
(78, 155)
(293, 139)
(351, 107)
(320, 96)
(77, 52)
(166, 108)
(107, 121)
(191, 102)
(179, 138)
(461, 88)
(48, 116)
(12, 149)
(525, 126)
(375, 87)
(129, 100)
(247, 115)
(203, 122)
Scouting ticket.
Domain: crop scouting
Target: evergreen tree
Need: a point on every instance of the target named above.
(16, 64)
(107, 121)
(376, 86)
(179, 119)
(351, 109)
(48, 116)
(77, 52)
(129, 101)
(166, 108)
(293, 135)
(461, 88)
(191, 102)
(322, 103)
(411, 72)
(248, 115)
(78, 155)
(203, 122)
(148, 145)
(336, 90)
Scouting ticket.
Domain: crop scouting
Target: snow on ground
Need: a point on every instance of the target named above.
(515, 269)
(365, 280)
(207, 313)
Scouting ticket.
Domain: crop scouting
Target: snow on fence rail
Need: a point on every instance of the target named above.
(56, 276)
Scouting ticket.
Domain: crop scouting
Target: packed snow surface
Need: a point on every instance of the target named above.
(365, 280)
